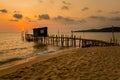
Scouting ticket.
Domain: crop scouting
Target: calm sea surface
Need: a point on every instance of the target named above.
(13, 48)
(104, 36)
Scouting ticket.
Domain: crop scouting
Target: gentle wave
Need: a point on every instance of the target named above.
(27, 56)
(7, 50)
(44, 52)
(9, 60)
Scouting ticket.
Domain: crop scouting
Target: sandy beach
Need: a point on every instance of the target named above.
(94, 63)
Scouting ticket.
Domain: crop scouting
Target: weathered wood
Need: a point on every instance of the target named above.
(72, 41)
(80, 41)
(67, 41)
(62, 40)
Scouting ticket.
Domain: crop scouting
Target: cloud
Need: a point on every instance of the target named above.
(99, 11)
(65, 19)
(66, 3)
(16, 11)
(18, 16)
(28, 19)
(115, 12)
(3, 11)
(44, 17)
(40, 1)
(85, 9)
(102, 18)
(98, 17)
(115, 18)
(13, 20)
(82, 21)
(68, 20)
(65, 8)
(52, 1)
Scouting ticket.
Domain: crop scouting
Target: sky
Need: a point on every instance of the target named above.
(58, 15)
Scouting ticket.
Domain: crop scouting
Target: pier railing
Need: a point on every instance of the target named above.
(69, 41)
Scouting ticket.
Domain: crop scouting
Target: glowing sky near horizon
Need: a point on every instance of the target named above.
(62, 15)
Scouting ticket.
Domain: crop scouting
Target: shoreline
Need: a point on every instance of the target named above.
(17, 61)
(28, 61)
(72, 64)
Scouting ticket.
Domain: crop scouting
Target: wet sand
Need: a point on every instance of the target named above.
(94, 63)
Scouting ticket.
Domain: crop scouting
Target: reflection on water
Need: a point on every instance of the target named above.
(13, 48)
(104, 36)
(9, 60)
(40, 46)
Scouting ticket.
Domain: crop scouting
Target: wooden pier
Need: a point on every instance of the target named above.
(69, 41)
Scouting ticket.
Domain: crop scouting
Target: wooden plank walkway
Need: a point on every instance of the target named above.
(70, 41)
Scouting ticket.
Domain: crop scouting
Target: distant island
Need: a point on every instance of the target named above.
(107, 29)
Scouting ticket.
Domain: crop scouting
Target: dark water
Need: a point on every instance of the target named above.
(13, 48)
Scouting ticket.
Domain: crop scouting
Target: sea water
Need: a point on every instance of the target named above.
(13, 48)
(104, 36)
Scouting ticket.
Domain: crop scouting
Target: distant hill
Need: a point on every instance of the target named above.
(108, 29)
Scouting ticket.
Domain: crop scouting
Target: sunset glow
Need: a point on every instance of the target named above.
(57, 14)
(59, 39)
(22, 25)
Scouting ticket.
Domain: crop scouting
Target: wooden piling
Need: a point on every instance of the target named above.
(71, 41)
